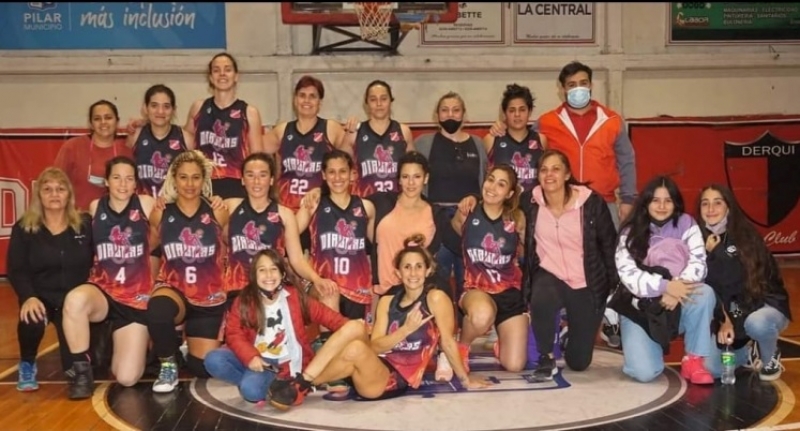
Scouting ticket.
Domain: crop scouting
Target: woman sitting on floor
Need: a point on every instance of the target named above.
(407, 331)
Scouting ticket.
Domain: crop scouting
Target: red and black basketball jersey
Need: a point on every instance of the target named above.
(338, 247)
(192, 254)
(153, 156)
(376, 158)
(122, 256)
(301, 161)
(248, 232)
(522, 156)
(410, 356)
(490, 253)
(222, 137)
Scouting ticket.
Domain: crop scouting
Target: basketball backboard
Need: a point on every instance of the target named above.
(333, 16)
(344, 14)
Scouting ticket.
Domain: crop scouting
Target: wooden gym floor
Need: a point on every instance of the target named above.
(751, 405)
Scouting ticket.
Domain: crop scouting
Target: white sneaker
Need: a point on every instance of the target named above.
(444, 372)
(167, 378)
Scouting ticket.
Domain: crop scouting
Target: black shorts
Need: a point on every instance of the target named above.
(228, 188)
(350, 309)
(156, 252)
(396, 386)
(120, 315)
(509, 303)
(201, 322)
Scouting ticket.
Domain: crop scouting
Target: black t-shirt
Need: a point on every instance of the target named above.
(454, 170)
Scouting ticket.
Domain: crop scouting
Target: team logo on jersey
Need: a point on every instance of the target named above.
(381, 164)
(343, 240)
(134, 215)
(236, 113)
(189, 247)
(509, 226)
(357, 212)
(217, 137)
(250, 239)
(522, 166)
(157, 169)
(273, 217)
(318, 136)
(118, 248)
(404, 345)
(490, 253)
(302, 164)
(175, 144)
(205, 218)
(533, 144)
(394, 136)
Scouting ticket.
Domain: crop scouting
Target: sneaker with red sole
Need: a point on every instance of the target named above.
(292, 394)
(694, 370)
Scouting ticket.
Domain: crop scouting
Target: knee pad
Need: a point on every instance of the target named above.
(162, 309)
(196, 366)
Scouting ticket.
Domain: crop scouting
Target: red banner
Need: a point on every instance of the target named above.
(757, 157)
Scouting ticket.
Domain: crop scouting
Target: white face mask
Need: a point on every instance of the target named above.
(579, 97)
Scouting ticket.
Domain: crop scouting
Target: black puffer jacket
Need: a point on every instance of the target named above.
(599, 244)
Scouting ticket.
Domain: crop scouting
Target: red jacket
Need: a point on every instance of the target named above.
(241, 340)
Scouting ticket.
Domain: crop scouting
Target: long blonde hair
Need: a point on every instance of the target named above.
(33, 219)
(169, 191)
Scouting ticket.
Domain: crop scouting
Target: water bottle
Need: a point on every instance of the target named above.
(728, 366)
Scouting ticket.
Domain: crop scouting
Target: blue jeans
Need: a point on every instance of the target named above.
(448, 263)
(643, 357)
(764, 327)
(223, 364)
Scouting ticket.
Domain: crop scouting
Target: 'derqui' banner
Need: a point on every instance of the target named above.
(757, 157)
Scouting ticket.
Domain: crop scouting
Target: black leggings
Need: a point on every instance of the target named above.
(550, 295)
(30, 336)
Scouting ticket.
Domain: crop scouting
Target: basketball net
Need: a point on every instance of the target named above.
(374, 19)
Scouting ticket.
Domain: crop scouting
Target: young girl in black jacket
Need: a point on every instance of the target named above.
(752, 301)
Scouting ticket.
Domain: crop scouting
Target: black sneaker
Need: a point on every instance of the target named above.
(610, 334)
(82, 386)
(546, 368)
(753, 357)
(292, 394)
(278, 385)
(772, 370)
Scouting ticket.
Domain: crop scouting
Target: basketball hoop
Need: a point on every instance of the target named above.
(374, 19)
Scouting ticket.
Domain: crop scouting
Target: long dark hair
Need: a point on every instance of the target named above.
(638, 222)
(250, 308)
(753, 252)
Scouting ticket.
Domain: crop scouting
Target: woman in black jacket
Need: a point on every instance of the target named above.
(569, 262)
(49, 254)
(752, 301)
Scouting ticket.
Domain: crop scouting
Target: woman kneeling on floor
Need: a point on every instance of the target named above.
(265, 330)
(407, 331)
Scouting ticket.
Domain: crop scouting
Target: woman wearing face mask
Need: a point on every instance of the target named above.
(83, 158)
(752, 301)
(458, 163)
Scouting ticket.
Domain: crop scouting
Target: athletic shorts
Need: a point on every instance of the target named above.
(395, 386)
(352, 310)
(201, 322)
(121, 315)
(509, 303)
